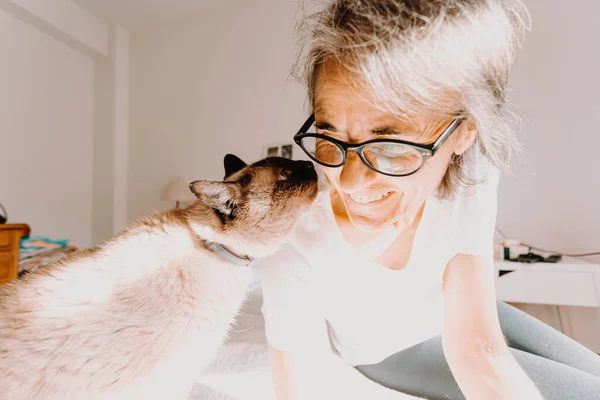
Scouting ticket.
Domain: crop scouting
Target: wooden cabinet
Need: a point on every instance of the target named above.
(10, 236)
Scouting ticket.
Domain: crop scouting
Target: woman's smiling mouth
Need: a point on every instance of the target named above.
(370, 199)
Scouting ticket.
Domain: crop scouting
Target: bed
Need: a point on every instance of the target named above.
(34, 258)
(241, 369)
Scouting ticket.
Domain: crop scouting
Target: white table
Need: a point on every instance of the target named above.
(565, 295)
(570, 282)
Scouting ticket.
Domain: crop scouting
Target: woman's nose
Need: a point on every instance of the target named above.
(355, 175)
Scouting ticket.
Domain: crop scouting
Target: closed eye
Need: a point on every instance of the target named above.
(282, 177)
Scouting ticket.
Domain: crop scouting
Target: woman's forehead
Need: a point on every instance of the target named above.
(345, 110)
(337, 91)
(341, 97)
(350, 113)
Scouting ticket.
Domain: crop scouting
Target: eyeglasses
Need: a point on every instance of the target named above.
(386, 156)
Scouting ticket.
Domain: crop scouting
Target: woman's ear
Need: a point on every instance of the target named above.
(466, 137)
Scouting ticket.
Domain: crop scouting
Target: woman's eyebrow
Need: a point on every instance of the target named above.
(386, 130)
(325, 126)
(381, 131)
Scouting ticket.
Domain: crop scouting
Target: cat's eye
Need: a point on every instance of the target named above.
(282, 176)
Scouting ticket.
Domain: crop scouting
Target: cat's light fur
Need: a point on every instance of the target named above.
(140, 316)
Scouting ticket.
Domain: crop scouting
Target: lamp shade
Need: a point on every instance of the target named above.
(178, 190)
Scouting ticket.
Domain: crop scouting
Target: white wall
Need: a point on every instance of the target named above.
(111, 137)
(553, 200)
(46, 132)
(213, 85)
(70, 71)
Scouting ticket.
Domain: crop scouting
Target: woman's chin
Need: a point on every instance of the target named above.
(372, 217)
(367, 224)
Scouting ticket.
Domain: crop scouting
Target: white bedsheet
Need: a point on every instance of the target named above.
(241, 369)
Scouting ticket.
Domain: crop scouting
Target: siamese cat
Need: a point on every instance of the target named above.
(140, 316)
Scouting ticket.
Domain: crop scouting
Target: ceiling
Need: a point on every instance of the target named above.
(139, 13)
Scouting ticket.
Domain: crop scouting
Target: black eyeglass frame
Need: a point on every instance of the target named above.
(427, 151)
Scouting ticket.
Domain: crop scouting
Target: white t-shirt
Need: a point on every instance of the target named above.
(371, 312)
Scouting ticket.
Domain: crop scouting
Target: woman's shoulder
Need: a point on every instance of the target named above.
(475, 210)
(472, 201)
(318, 220)
(311, 236)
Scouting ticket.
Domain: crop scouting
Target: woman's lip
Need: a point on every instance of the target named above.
(371, 199)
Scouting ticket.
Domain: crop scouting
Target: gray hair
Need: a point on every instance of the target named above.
(433, 58)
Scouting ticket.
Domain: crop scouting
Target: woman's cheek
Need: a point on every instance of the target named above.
(412, 201)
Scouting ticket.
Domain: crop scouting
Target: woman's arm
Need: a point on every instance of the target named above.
(322, 375)
(473, 343)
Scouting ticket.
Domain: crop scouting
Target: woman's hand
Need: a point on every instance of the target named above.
(474, 346)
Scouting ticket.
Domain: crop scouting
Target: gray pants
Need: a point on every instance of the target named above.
(561, 368)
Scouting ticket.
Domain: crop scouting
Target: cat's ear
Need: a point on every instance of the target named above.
(232, 164)
(221, 196)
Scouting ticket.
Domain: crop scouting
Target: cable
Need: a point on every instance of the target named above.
(504, 236)
(596, 253)
(531, 247)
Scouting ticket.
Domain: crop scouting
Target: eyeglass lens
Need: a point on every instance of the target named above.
(388, 158)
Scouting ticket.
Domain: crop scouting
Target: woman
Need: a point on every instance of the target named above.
(386, 290)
